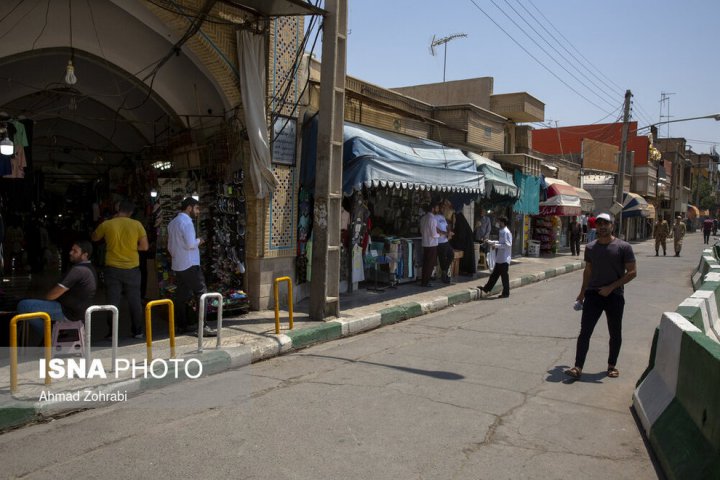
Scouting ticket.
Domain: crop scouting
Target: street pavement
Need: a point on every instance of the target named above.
(474, 390)
(251, 338)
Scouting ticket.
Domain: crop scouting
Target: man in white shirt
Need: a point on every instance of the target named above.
(183, 246)
(430, 235)
(503, 256)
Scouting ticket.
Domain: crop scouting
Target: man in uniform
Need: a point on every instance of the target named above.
(678, 232)
(662, 230)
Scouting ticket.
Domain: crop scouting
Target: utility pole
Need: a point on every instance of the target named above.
(623, 154)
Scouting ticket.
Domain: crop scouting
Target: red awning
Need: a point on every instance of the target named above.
(562, 199)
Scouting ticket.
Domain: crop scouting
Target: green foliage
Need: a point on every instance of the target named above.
(704, 192)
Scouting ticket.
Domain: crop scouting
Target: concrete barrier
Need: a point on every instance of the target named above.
(678, 397)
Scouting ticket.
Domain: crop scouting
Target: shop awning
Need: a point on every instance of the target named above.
(693, 211)
(376, 158)
(562, 199)
(497, 180)
(651, 211)
(634, 205)
(587, 202)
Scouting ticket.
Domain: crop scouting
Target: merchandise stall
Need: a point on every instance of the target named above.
(388, 179)
(634, 214)
(549, 227)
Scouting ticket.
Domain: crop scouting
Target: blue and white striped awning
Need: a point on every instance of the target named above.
(634, 206)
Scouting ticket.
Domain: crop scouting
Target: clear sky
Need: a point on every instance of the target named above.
(597, 48)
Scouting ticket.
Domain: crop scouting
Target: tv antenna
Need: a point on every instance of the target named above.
(444, 41)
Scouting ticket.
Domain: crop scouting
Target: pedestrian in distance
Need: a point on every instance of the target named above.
(503, 256)
(678, 233)
(430, 236)
(609, 265)
(591, 228)
(184, 248)
(707, 228)
(662, 230)
(574, 234)
(124, 238)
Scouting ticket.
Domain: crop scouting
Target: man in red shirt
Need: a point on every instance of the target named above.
(591, 228)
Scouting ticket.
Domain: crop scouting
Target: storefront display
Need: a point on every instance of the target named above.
(547, 230)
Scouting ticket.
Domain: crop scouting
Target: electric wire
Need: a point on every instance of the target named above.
(47, 9)
(11, 10)
(569, 62)
(536, 59)
(22, 17)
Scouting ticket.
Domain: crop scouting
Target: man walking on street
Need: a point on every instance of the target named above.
(503, 256)
(430, 235)
(662, 230)
(183, 246)
(574, 234)
(609, 265)
(678, 232)
(707, 228)
(124, 237)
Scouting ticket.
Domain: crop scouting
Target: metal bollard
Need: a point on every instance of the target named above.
(88, 328)
(148, 326)
(277, 306)
(13, 346)
(201, 317)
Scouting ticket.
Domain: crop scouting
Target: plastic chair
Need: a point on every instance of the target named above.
(68, 347)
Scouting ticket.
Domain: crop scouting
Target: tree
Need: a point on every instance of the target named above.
(704, 194)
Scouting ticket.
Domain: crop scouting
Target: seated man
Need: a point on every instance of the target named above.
(68, 300)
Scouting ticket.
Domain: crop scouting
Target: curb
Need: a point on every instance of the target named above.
(18, 412)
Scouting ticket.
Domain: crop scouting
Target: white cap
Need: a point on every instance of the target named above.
(604, 216)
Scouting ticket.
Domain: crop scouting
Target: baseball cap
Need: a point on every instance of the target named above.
(604, 216)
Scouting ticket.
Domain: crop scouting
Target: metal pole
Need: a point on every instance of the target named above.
(623, 154)
(444, 61)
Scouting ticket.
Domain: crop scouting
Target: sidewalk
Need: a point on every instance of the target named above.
(245, 339)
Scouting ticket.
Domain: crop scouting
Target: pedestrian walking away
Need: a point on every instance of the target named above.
(503, 256)
(430, 235)
(591, 228)
(662, 230)
(609, 265)
(678, 233)
(574, 234)
(707, 228)
(184, 247)
(124, 238)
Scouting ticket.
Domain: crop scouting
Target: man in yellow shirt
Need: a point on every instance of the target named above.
(124, 237)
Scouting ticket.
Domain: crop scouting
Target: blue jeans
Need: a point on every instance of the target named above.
(32, 305)
(125, 281)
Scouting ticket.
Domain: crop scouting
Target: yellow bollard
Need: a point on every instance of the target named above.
(277, 303)
(148, 326)
(13, 346)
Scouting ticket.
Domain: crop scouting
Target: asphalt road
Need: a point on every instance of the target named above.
(471, 392)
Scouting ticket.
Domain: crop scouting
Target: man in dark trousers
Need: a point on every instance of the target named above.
(184, 247)
(574, 234)
(503, 256)
(430, 235)
(609, 265)
(124, 238)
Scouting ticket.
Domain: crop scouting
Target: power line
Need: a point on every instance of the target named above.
(569, 62)
(536, 59)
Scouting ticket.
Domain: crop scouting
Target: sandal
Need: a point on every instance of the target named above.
(574, 372)
(613, 372)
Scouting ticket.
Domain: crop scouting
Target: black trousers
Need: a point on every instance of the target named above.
(428, 263)
(500, 271)
(445, 255)
(575, 244)
(595, 304)
(190, 282)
